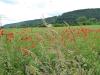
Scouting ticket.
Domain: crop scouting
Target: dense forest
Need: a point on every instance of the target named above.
(76, 17)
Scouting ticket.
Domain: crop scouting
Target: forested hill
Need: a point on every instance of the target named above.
(85, 16)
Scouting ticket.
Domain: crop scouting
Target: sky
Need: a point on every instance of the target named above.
(12, 11)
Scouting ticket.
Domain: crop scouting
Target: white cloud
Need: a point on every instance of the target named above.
(20, 10)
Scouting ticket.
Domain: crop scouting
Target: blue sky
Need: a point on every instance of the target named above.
(12, 11)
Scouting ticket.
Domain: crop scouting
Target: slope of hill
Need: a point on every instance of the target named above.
(70, 17)
(31, 23)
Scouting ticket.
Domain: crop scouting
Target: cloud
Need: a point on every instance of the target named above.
(20, 10)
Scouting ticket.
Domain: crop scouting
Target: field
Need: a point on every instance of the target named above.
(50, 51)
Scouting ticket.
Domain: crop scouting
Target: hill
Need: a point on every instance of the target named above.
(71, 17)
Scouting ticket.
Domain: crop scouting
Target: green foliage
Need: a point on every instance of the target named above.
(59, 25)
(93, 21)
(56, 51)
(92, 16)
(82, 20)
(71, 17)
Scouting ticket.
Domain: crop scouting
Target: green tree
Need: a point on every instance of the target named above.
(82, 20)
(92, 20)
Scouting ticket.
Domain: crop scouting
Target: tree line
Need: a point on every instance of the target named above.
(77, 17)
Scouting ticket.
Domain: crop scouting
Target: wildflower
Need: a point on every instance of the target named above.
(27, 38)
(25, 51)
(78, 33)
(69, 35)
(98, 30)
(85, 32)
(10, 36)
(1, 32)
(33, 45)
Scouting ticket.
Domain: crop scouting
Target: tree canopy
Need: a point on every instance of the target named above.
(82, 16)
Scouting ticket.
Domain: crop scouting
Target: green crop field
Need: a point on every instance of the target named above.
(50, 51)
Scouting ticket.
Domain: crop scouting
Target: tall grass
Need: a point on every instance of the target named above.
(50, 51)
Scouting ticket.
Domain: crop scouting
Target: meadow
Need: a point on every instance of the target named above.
(50, 51)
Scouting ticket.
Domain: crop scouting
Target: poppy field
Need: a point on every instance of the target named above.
(50, 51)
